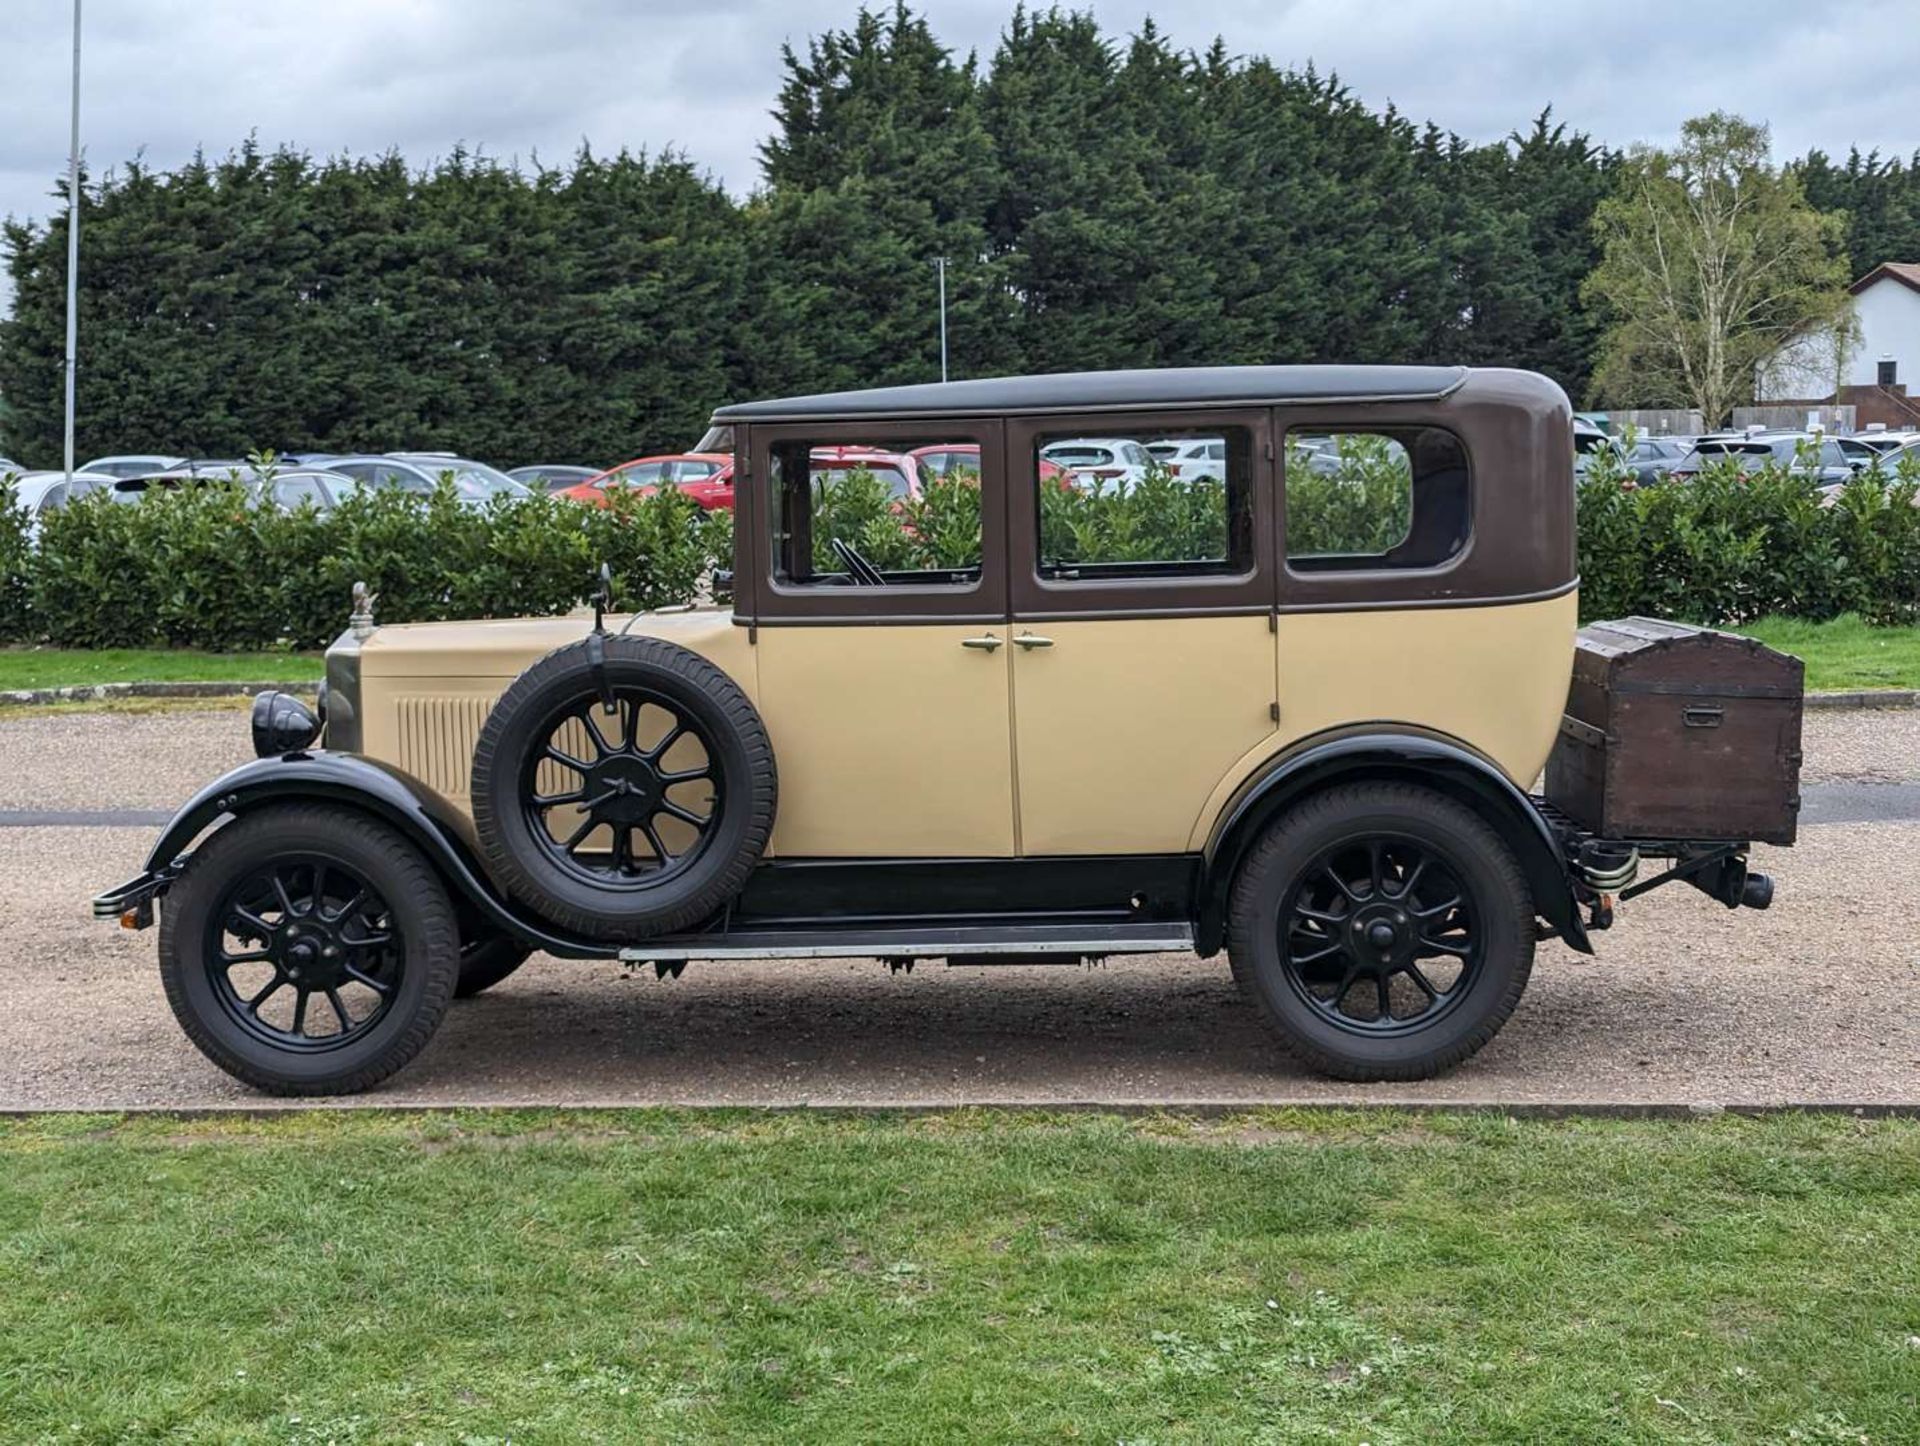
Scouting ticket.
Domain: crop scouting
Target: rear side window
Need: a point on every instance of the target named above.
(1368, 499)
(1147, 507)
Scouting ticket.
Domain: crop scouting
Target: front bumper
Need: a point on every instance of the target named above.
(132, 902)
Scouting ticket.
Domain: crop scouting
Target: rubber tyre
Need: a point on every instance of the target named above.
(486, 961)
(736, 740)
(1485, 866)
(421, 912)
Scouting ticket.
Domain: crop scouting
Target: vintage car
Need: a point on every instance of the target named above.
(1293, 712)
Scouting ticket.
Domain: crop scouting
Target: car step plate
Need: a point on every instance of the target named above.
(872, 943)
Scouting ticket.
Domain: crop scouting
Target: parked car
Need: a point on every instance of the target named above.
(706, 477)
(1103, 464)
(10, 468)
(1817, 458)
(134, 464)
(552, 476)
(38, 493)
(1339, 747)
(945, 459)
(1589, 442)
(1652, 458)
(135, 489)
(1191, 458)
(1887, 439)
(317, 487)
(474, 483)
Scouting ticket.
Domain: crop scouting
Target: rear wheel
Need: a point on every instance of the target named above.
(1384, 931)
(308, 950)
(485, 961)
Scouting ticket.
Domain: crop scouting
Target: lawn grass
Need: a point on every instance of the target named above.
(673, 1276)
(70, 667)
(1845, 654)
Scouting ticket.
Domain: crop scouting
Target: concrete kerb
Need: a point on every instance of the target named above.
(107, 692)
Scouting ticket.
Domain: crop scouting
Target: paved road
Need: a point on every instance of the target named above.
(1815, 1000)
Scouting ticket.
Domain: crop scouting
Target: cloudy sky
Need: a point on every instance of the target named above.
(525, 77)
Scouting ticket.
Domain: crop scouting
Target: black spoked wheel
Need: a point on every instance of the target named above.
(301, 953)
(1385, 931)
(1378, 935)
(623, 787)
(308, 950)
(625, 798)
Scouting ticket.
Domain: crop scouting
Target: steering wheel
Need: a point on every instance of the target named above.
(862, 571)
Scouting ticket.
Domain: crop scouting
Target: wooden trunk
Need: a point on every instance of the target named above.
(1678, 732)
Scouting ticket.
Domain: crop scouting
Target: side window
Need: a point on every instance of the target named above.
(290, 492)
(1150, 506)
(1362, 500)
(852, 514)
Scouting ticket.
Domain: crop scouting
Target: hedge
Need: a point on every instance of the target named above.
(202, 567)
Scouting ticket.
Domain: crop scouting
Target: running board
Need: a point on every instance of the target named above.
(975, 944)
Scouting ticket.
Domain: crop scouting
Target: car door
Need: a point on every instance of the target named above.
(886, 699)
(1143, 657)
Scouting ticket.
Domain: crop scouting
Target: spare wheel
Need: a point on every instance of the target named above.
(623, 787)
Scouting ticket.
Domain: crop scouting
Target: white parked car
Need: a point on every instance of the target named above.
(1101, 464)
(38, 493)
(1191, 458)
(133, 464)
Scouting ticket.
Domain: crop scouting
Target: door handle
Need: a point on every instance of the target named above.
(986, 642)
(1031, 641)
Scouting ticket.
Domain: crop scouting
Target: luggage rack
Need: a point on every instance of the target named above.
(1605, 870)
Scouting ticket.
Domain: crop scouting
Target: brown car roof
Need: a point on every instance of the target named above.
(1164, 387)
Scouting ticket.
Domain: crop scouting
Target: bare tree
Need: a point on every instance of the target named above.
(1712, 262)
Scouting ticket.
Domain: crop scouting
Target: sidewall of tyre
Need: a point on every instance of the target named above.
(737, 743)
(486, 961)
(1487, 867)
(422, 915)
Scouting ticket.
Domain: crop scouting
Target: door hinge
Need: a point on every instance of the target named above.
(1273, 711)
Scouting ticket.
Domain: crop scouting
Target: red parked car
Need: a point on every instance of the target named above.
(706, 477)
(944, 458)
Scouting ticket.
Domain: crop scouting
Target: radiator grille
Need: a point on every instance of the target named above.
(437, 734)
(436, 739)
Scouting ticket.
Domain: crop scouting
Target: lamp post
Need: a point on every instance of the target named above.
(940, 266)
(73, 242)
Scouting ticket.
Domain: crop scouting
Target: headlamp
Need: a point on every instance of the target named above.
(282, 724)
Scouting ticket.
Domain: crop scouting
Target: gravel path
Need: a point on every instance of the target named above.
(1815, 1000)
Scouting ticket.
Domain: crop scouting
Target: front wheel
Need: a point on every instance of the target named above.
(1384, 931)
(308, 950)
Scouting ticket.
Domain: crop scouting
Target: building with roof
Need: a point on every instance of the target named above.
(1871, 370)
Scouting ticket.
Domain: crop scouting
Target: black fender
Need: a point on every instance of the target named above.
(1407, 755)
(395, 797)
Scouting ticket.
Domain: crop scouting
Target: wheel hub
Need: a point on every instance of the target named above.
(623, 789)
(309, 953)
(1381, 934)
